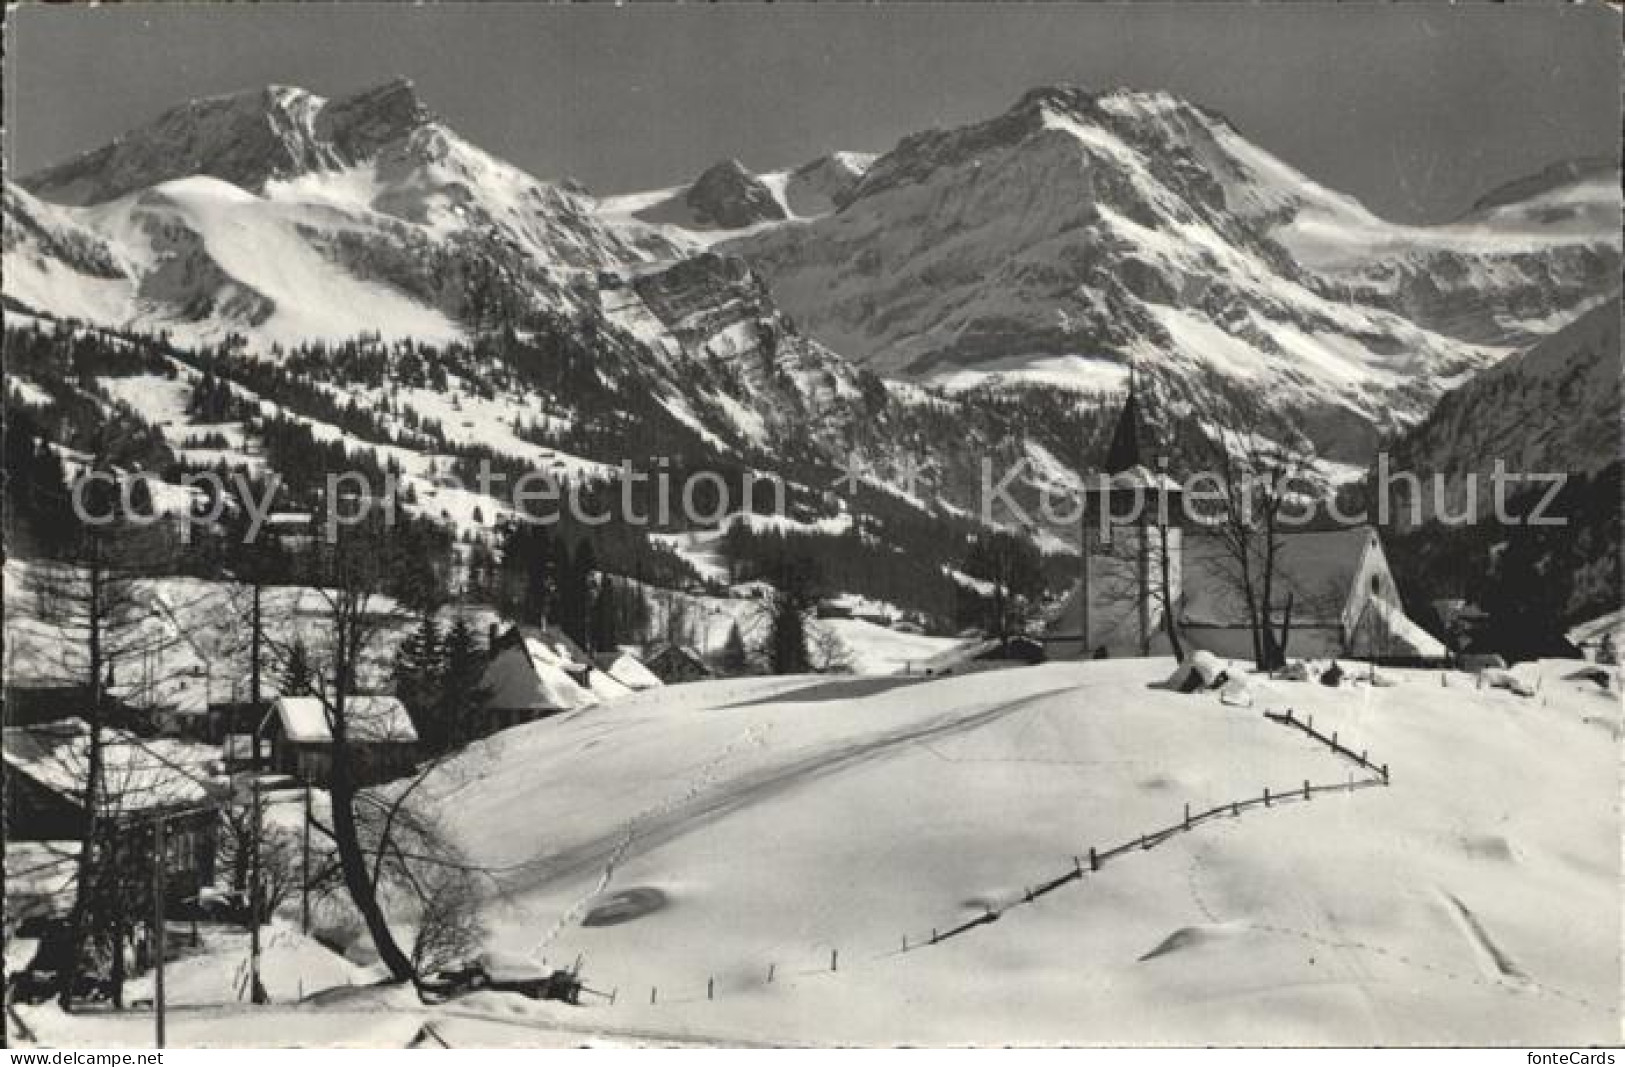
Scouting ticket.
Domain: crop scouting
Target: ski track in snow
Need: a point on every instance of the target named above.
(690, 808)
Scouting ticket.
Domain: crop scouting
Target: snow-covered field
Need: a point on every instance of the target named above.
(727, 831)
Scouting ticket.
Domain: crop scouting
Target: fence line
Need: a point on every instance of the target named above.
(1301, 793)
(1287, 718)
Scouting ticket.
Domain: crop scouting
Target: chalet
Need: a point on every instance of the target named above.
(379, 734)
(146, 780)
(674, 664)
(1333, 591)
(536, 672)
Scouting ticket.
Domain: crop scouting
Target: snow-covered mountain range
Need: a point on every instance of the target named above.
(1081, 230)
(1048, 246)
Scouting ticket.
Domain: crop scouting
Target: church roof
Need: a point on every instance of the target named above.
(1124, 451)
(1317, 568)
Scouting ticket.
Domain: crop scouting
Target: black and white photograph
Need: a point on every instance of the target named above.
(813, 525)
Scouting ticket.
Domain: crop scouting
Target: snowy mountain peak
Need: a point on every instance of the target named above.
(824, 184)
(729, 197)
(1085, 229)
(360, 125)
(247, 138)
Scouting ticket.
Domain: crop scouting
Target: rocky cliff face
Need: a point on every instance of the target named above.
(826, 183)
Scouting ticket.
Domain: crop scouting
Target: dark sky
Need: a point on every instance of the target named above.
(1414, 108)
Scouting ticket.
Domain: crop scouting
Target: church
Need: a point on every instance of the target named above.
(1334, 595)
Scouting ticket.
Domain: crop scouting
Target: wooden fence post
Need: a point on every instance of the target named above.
(1306, 789)
(1235, 808)
(653, 994)
(834, 959)
(1187, 815)
(710, 989)
(613, 993)
(1094, 860)
(770, 969)
(1266, 796)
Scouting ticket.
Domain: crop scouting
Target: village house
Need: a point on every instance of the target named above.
(379, 734)
(145, 780)
(536, 672)
(674, 664)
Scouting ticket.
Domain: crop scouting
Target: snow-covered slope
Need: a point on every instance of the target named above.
(1128, 225)
(775, 839)
(873, 809)
(1553, 408)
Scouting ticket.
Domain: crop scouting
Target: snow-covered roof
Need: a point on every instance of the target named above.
(1317, 568)
(372, 719)
(139, 773)
(1401, 636)
(534, 673)
(630, 672)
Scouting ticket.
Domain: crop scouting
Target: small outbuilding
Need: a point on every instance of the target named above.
(378, 733)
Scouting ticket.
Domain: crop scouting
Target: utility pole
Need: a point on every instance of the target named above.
(256, 990)
(158, 929)
(304, 870)
(1085, 551)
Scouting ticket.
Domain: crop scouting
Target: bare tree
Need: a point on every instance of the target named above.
(1134, 574)
(387, 849)
(1255, 464)
(88, 626)
(279, 862)
(826, 651)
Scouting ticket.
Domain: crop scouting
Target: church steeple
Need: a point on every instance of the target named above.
(1124, 452)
